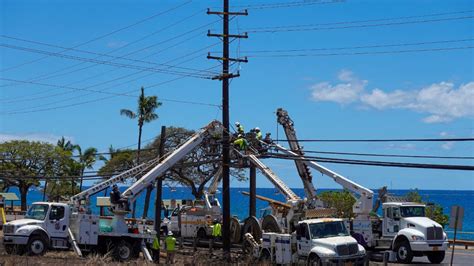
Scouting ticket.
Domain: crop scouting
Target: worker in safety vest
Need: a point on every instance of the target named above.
(241, 142)
(155, 247)
(258, 133)
(216, 234)
(239, 128)
(170, 243)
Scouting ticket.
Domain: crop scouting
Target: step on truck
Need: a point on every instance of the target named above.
(61, 226)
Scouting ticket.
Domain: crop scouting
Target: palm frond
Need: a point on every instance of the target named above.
(128, 113)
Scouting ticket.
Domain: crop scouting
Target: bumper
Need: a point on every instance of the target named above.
(438, 245)
(15, 240)
(346, 260)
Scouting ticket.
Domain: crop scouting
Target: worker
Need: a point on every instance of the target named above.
(239, 128)
(258, 133)
(116, 198)
(241, 142)
(216, 234)
(268, 138)
(170, 243)
(155, 248)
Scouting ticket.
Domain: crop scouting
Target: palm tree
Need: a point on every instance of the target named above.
(145, 114)
(86, 160)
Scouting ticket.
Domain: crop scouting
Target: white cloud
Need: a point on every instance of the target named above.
(43, 137)
(442, 101)
(342, 93)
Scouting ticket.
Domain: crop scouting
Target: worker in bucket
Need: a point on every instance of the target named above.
(239, 128)
(258, 133)
(170, 243)
(241, 142)
(216, 234)
(116, 198)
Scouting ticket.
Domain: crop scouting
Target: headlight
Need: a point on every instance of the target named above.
(327, 254)
(417, 238)
(22, 231)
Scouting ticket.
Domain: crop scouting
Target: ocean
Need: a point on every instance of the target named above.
(240, 203)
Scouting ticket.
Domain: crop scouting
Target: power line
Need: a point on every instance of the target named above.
(101, 62)
(288, 4)
(391, 155)
(383, 140)
(295, 28)
(373, 163)
(359, 47)
(104, 35)
(363, 21)
(371, 52)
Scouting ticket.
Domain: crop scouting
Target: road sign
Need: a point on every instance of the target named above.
(460, 215)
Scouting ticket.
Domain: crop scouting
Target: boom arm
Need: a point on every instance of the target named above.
(364, 201)
(133, 191)
(303, 170)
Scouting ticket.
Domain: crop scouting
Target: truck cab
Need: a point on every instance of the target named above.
(45, 226)
(412, 232)
(327, 241)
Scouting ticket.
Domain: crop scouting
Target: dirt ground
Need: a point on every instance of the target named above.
(184, 256)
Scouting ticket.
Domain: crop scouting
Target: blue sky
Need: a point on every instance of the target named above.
(393, 95)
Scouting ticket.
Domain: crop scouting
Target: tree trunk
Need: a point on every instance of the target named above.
(138, 161)
(45, 188)
(82, 177)
(149, 189)
(23, 193)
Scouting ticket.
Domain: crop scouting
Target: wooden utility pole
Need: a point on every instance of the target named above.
(225, 76)
(253, 185)
(159, 189)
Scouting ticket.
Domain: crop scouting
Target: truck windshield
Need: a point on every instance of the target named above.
(37, 212)
(328, 229)
(412, 211)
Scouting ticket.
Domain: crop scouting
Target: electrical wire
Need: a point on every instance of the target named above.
(391, 155)
(104, 35)
(370, 52)
(288, 4)
(372, 163)
(382, 140)
(280, 29)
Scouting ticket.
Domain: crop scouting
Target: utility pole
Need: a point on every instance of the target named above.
(159, 190)
(225, 76)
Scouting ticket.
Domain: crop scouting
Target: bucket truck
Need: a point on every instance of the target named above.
(292, 233)
(60, 226)
(403, 230)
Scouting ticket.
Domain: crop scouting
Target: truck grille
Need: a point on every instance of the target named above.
(434, 233)
(8, 229)
(350, 249)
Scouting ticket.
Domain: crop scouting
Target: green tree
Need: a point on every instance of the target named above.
(341, 201)
(433, 211)
(26, 162)
(145, 114)
(87, 159)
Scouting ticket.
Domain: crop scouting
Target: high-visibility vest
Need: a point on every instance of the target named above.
(259, 135)
(156, 244)
(170, 243)
(240, 129)
(216, 230)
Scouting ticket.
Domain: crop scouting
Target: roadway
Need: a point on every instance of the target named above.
(461, 257)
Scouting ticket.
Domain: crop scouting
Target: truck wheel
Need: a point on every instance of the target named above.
(436, 257)
(314, 260)
(265, 256)
(404, 253)
(123, 251)
(36, 246)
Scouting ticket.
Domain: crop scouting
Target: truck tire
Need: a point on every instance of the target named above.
(36, 246)
(123, 251)
(314, 260)
(436, 257)
(265, 256)
(404, 253)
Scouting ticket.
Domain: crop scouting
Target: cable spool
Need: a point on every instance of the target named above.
(252, 226)
(270, 224)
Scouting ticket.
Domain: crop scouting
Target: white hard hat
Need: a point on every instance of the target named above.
(170, 233)
(257, 128)
(237, 123)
